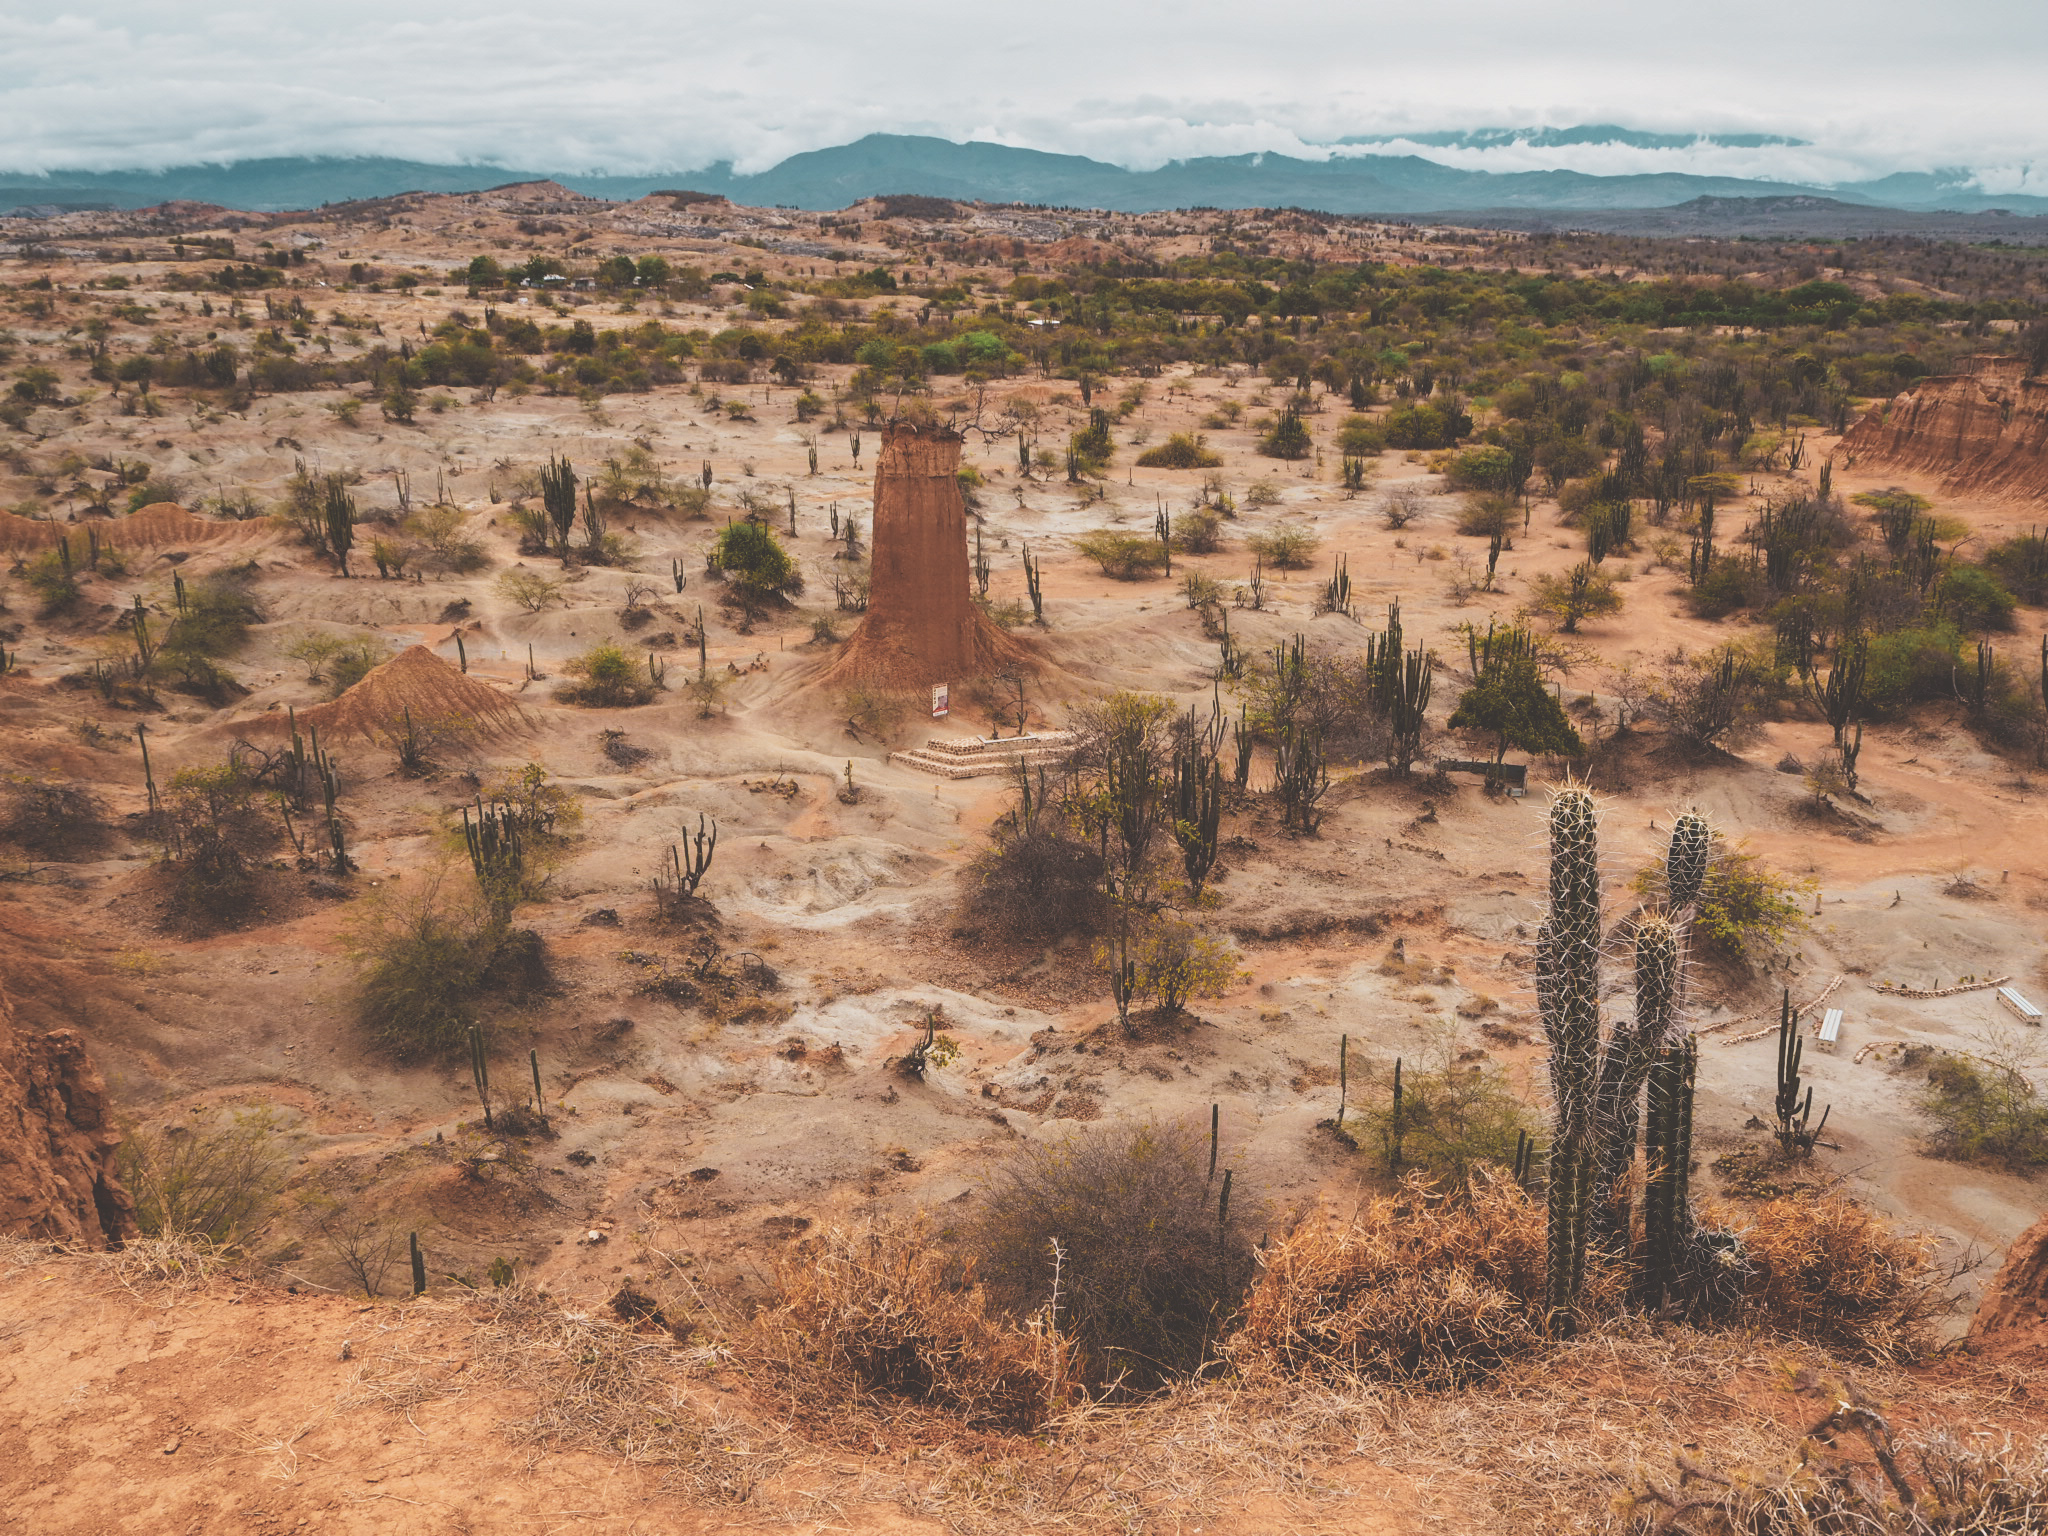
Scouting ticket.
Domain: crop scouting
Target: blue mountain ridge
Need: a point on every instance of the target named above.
(1398, 185)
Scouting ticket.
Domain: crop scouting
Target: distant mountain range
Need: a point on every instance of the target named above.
(1402, 185)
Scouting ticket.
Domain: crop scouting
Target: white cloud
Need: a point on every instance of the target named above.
(632, 86)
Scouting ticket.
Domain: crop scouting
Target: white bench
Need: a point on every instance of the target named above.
(2018, 1006)
(1831, 1027)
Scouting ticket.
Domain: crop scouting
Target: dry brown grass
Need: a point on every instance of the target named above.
(599, 1387)
(879, 1313)
(1831, 1270)
(1417, 1287)
(1932, 1486)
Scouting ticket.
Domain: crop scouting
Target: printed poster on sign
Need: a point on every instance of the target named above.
(938, 700)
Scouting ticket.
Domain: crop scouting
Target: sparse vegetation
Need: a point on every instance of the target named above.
(1120, 1237)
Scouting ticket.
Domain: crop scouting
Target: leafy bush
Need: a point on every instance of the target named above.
(1176, 961)
(213, 828)
(351, 662)
(607, 679)
(1482, 469)
(1288, 439)
(1182, 450)
(52, 582)
(1744, 906)
(1973, 600)
(1360, 437)
(2022, 563)
(422, 958)
(440, 529)
(1910, 666)
(1485, 514)
(1427, 426)
(1289, 549)
(1124, 556)
(1986, 1109)
(529, 589)
(1583, 592)
(1455, 1116)
(1728, 587)
(204, 1178)
(1198, 531)
(1120, 1224)
(751, 555)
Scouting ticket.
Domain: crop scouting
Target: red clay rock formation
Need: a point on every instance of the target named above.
(2014, 1308)
(56, 1141)
(921, 625)
(1985, 430)
(414, 679)
(160, 524)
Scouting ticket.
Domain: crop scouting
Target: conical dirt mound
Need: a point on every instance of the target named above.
(417, 680)
(155, 526)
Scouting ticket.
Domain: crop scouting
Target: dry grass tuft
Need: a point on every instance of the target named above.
(1828, 1269)
(879, 1311)
(1418, 1287)
(597, 1387)
(1935, 1486)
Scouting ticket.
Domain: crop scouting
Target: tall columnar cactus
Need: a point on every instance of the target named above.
(1568, 997)
(1625, 1065)
(1667, 1146)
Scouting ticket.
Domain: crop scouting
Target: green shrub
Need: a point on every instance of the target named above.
(1908, 666)
(52, 582)
(1123, 1221)
(1360, 437)
(1481, 469)
(2022, 564)
(205, 1178)
(1125, 556)
(213, 828)
(1289, 439)
(1728, 587)
(1745, 905)
(606, 678)
(1198, 531)
(1974, 600)
(1986, 1109)
(352, 661)
(1183, 450)
(1455, 1115)
(1289, 549)
(1484, 514)
(422, 958)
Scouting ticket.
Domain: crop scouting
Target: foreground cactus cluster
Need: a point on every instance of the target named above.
(1599, 1085)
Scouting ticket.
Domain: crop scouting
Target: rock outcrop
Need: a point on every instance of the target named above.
(2014, 1307)
(922, 626)
(1984, 431)
(57, 1141)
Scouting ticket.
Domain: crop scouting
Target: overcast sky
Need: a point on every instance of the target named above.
(631, 86)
